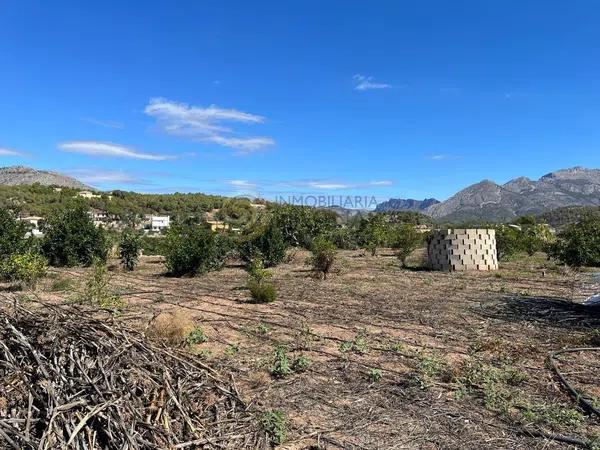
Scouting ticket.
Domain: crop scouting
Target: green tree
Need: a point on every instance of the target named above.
(301, 224)
(130, 247)
(579, 244)
(373, 232)
(266, 243)
(12, 234)
(71, 239)
(193, 249)
(405, 239)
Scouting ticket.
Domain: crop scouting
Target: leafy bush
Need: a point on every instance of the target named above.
(579, 244)
(12, 234)
(266, 243)
(26, 268)
(71, 239)
(405, 239)
(129, 248)
(262, 292)
(323, 256)
(344, 238)
(193, 249)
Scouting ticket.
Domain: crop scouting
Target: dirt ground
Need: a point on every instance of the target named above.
(399, 359)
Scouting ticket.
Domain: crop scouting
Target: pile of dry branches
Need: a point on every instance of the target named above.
(70, 381)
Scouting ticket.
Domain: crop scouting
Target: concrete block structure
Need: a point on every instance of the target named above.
(463, 249)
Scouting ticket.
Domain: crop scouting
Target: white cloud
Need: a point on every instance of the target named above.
(95, 148)
(325, 185)
(10, 152)
(364, 83)
(93, 176)
(245, 184)
(105, 123)
(206, 124)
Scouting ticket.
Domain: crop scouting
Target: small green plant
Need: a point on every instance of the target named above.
(232, 350)
(323, 256)
(301, 363)
(280, 366)
(263, 329)
(275, 425)
(196, 336)
(375, 375)
(358, 345)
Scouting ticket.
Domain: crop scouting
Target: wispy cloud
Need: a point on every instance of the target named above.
(206, 124)
(104, 123)
(10, 152)
(365, 83)
(335, 184)
(442, 157)
(242, 184)
(109, 149)
(93, 176)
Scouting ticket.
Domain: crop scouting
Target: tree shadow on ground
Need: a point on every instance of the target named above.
(546, 311)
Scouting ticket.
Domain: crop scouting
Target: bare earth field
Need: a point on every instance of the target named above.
(405, 359)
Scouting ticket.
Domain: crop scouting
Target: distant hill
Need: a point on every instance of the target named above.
(19, 175)
(401, 204)
(489, 201)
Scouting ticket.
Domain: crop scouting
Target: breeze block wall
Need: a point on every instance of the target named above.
(463, 249)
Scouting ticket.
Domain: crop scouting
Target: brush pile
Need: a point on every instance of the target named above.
(70, 381)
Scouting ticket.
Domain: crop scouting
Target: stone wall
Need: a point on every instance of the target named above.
(463, 249)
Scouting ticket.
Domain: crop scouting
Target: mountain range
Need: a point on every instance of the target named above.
(485, 201)
(19, 175)
(490, 201)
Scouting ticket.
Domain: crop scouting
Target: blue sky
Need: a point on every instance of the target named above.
(379, 98)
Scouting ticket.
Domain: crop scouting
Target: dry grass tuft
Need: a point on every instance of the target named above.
(171, 327)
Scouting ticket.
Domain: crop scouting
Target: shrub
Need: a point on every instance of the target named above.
(260, 289)
(579, 244)
(344, 238)
(193, 249)
(97, 290)
(266, 243)
(26, 268)
(375, 375)
(323, 256)
(405, 239)
(275, 425)
(12, 234)
(129, 248)
(71, 239)
(262, 292)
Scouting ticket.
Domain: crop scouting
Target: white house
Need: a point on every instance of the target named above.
(35, 222)
(159, 223)
(87, 194)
